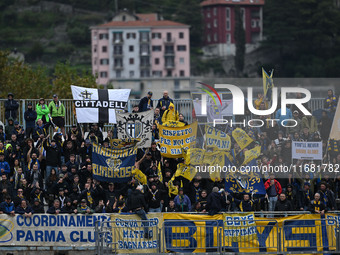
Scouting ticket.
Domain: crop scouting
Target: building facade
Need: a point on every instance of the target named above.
(141, 49)
(219, 25)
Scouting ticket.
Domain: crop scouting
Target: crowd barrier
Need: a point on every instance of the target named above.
(183, 106)
(173, 232)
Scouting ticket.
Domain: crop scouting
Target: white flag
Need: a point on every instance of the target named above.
(136, 125)
(98, 105)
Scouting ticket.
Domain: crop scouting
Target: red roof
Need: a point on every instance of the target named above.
(232, 2)
(147, 16)
(142, 23)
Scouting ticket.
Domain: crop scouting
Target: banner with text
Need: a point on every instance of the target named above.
(307, 150)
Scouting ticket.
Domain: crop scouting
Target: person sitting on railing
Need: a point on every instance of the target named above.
(317, 206)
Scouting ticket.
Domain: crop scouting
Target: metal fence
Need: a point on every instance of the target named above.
(183, 106)
(266, 236)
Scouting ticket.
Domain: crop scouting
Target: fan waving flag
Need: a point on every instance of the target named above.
(98, 105)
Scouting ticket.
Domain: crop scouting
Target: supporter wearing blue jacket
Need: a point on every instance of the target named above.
(7, 206)
(182, 201)
(4, 166)
(24, 209)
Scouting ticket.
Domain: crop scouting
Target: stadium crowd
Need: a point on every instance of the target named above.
(39, 170)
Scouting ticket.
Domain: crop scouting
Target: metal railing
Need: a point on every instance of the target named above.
(183, 106)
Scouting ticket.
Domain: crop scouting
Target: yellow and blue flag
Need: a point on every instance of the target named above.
(241, 138)
(268, 84)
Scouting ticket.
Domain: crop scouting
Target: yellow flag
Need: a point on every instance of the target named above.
(159, 172)
(172, 188)
(140, 176)
(241, 137)
(173, 124)
(268, 84)
(187, 171)
(217, 139)
(196, 156)
(249, 155)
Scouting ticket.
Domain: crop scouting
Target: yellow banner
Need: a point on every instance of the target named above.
(140, 176)
(174, 139)
(241, 137)
(239, 227)
(249, 155)
(186, 171)
(217, 139)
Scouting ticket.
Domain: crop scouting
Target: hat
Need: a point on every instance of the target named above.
(16, 122)
(111, 183)
(1, 127)
(53, 140)
(153, 184)
(10, 94)
(61, 175)
(55, 95)
(36, 200)
(148, 154)
(41, 99)
(307, 183)
(61, 189)
(83, 201)
(74, 125)
(29, 104)
(289, 186)
(150, 93)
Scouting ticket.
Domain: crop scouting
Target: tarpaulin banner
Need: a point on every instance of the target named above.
(173, 140)
(307, 150)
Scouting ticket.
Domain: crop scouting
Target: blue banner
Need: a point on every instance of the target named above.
(113, 165)
(246, 179)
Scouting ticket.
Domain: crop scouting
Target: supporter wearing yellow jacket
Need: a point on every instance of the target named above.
(170, 115)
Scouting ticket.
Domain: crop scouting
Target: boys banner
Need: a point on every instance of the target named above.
(307, 150)
(217, 139)
(98, 105)
(113, 165)
(173, 140)
(136, 125)
(308, 233)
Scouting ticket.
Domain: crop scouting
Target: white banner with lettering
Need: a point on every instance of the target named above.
(307, 150)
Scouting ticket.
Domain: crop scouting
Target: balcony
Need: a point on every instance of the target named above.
(145, 53)
(117, 53)
(145, 65)
(170, 65)
(118, 67)
(169, 41)
(169, 53)
(118, 41)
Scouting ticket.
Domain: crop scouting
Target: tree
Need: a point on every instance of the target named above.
(240, 39)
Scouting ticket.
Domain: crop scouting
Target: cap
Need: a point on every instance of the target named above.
(307, 183)
(53, 140)
(150, 93)
(61, 175)
(153, 184)
(10, 94)
(180, 189)
(29, 104)
(61, 189)
(111, 183)
(83, 201)
(16, 122)
(55, 95)
(36, 200)
(296, 111)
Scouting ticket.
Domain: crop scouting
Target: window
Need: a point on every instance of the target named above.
(208, 25)
(118, 37)
(169, 49)
(156, 61)
(118, 50)
(228, 38)
(255, 14)
(181, 73)
(118, 62)
(215, 11)
(130, 35)
(169, 73)
(104, 61)
(95, 36)
(103, 36)
(181, 60)
(145, 61)
(156, 48)
(215, 22)
(118, 74)
(169, 62)
(95, 48)
(104, 49)
(157, 73)
(177, 84)
(132, 73)
(168, 37)
(181, 35)
(208, 14)
(131, 61)
(181, 47)
(215, 37)
(156, 36)
(145, 73)
(95, 61)
(208, 38)
(144, 36)
(255, 23)
(103, 74)
(124, 18)
(227, 14)
(131, 48)
(144, 49)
